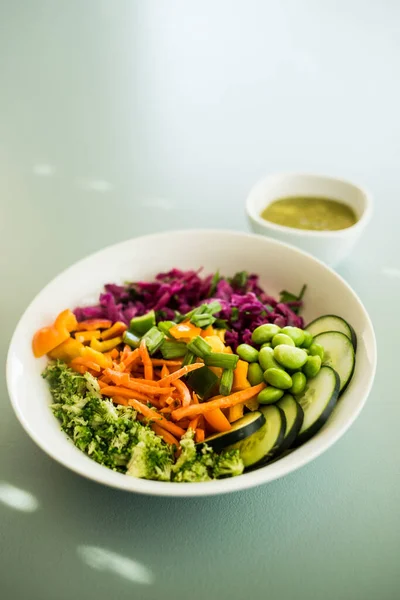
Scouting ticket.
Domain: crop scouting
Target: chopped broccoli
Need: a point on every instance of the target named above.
(228, 464)
(151, 457)
(113, 437)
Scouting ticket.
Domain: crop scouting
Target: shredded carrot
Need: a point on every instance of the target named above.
(146, 360)
(225, 402)
(164, 371)
(120, 400)
(180, 373)
(101, 383)
(183, 391)
(84, 362)
(193, 423)
(166, 410)
(166, 435)
(195, 399)
(170, 400)
(115, 390)
(199, 435)
(153, 415)
(131, 359)
(125, 380)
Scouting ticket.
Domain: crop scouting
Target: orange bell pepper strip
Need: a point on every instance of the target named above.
(48, 338)
(116, 330)
(91, 324)
(66, 321)
(184, 331)
(217, 420)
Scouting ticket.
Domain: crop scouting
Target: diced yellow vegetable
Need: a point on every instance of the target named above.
(87, 336)
(106, 345)
(207, 331)
(99, 358)
(67, 351)
(235, 412)
(252, 404)
(221, 334)
(217, 345)
(240, 381)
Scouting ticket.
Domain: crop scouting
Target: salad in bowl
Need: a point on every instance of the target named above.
(189, 378)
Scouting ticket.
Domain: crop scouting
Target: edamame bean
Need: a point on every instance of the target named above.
(264, 333)
(247, 353)
(255, 374)
(278, 378)
(308, 338)
(267, 360)
(282, 338)
(269, 395)
(290, 357)
(266, 345)
(317, 350)
(312, 366)
(295, 333)
(298, 383)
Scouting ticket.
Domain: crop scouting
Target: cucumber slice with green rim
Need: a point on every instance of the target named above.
(338, 354)
(241, 429)
(317, 401)
(257, 449)
(294, 415)
(332, 323)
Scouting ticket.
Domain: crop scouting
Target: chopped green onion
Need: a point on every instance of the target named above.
(199, 347)
(165, 326)
(131, 339)
(171, 350)
(154, 338)
(214, 282)
(220, 359)
(202, 320)
(234, 314)
(204, 382)
(189, 359)
(141, 325)
(226, 382)
(221, 324)
(214, 307)
(240, 279)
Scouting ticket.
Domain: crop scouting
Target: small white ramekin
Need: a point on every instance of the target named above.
(329, 246)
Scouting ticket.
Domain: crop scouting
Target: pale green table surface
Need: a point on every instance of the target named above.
(121, 118)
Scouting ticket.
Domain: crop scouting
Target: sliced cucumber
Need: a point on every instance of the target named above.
(262, 445)
(294, 415)
(338, 354)
(317, 401)
(332, 323)
(241, 429)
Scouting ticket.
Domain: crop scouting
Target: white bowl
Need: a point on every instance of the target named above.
(279, 266)
(329, 246)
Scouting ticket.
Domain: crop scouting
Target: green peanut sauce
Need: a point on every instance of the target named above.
(309, 212)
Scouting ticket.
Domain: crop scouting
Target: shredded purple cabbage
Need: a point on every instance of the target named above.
(245, 305)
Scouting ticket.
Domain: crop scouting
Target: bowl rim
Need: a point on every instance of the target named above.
(301, 233)
(271, 472)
